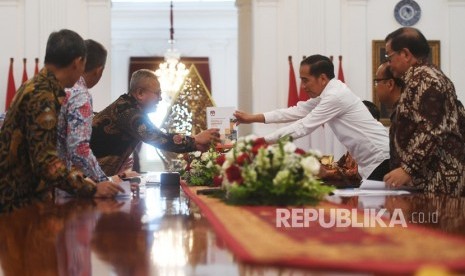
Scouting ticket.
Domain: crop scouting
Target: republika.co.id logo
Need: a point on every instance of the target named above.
(340, 217)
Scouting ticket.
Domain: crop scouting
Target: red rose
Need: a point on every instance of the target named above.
(257, 144)
(256, 148)
(242, 159)
(188, 167)
(217, 180)
(233, 173)
(299, 151)
(220, 159)
(259, 141)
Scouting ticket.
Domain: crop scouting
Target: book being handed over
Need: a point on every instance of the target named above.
(223, 119)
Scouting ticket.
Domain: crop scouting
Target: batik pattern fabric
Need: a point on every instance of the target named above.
(119, 128)
(74, 132)
(427, 132)
(349, 167)
(346, 168)
(29, 163)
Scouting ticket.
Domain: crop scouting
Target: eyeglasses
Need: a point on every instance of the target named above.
(376, 81)
(388, 57)
(157, 93)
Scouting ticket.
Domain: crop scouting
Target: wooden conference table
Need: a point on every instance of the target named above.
(160, 232)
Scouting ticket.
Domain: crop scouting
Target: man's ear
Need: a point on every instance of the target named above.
(324, 78)
(77, 61)
(99, 70)
(139, 93)
(408, 55)
(391, 84)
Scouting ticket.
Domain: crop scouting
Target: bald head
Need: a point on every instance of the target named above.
(388, 87)
(385, 72)
(411, 39)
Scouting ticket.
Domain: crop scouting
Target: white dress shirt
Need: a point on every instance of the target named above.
(366, 139)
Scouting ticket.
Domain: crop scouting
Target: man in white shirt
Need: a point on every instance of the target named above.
(332, 103)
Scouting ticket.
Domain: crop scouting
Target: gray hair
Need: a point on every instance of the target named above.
(140, 76)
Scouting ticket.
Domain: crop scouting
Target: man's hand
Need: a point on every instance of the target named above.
(126, 174)
(108, 189)
(328, 171)
(247, 118)
(397, 177)
(204, 139)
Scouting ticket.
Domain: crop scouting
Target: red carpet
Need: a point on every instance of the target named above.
(252, 235)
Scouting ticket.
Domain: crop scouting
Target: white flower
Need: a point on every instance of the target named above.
(315, 153)
(197, 154)
(277, 161)
(250, 138)
(311, 165)
(292, 161)
(230, 156)
(262, 161)
(290, 147)
(205, 156)
(281, 177)
(195, 163)
(250, 175)
(226, 164)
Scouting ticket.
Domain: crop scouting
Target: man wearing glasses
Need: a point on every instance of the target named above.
(120, 127)
(428, 129)
(387, 87)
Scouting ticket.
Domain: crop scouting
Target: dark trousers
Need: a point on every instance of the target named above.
(380, 171)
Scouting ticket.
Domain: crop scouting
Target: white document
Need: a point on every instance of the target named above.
(373, 185)
(127, 189)
(223, 119)
(372, 188)
(363, 192)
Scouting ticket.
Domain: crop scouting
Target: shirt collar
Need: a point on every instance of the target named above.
(332, 83)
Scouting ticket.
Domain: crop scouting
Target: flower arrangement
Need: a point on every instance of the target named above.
(201, 168)
(256, 173)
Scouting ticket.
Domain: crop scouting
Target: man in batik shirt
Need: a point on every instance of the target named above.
(29, 163)
(75, 119)
(428, 128)
(120, 127)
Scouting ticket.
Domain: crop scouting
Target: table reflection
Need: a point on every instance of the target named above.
(157, 233)
(440, 212)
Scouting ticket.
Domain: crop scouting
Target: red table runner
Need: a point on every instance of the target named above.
(252, 235)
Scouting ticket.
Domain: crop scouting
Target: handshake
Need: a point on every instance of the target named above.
(206, 138)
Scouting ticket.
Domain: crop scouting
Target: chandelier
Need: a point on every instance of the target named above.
(172, 72)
